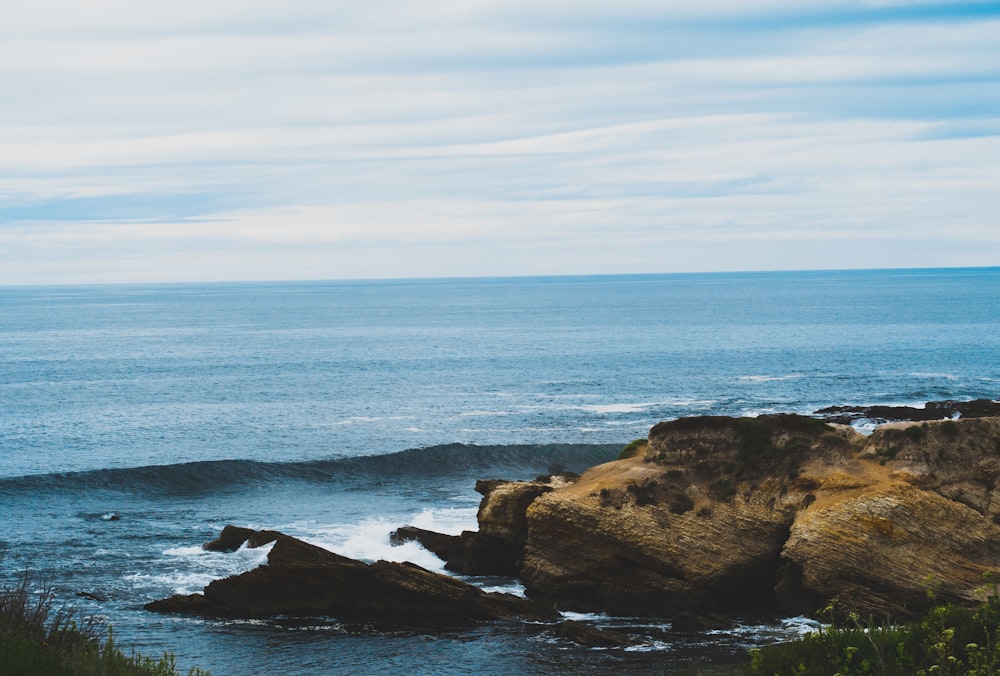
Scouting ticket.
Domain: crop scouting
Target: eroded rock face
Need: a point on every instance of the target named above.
(717, 517)
(879, 549)
(779, 513)
(496, 548)
(304, 580)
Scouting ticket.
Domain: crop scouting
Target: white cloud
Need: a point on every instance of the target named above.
(497, 138)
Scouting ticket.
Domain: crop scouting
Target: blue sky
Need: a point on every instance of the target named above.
(223, 140)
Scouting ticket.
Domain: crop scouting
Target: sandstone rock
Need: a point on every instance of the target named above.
(496, 548)
(727, 516)
(878, 550)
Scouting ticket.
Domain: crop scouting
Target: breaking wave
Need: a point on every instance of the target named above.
(458, 460)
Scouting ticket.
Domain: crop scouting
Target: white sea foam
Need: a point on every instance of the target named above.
(194, 567)
(864, 426)
(602, 409)
(354, 420)
(584, 617)
(451, 521)
(768, 379)
(513, 587)
(369, 539)
(648, 646)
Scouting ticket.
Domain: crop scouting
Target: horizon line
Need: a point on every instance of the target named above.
(459, 278)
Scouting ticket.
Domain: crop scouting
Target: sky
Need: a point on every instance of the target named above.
(317, 139)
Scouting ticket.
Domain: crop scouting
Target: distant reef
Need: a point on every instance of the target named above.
(709, 519)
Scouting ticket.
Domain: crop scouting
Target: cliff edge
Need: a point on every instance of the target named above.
(717, 517)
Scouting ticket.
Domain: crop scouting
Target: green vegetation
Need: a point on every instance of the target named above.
(633, 449)
(915, 432)
(949, 640)
(37, 638)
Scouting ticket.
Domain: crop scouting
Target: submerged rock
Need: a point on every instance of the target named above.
(301, 579)
(593, 637)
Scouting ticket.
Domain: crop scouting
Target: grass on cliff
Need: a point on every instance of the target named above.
(948, 641)
(40, 638)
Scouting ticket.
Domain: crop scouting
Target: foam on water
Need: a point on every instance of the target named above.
(451, 521)
(769, 379)
(369, 540)
(189, 569)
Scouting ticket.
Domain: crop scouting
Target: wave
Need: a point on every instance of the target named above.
(449, 460)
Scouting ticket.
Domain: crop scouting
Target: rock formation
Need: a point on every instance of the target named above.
(932, 410)
(495, 549)
(713, 518)
(301, 579)
(719, 517)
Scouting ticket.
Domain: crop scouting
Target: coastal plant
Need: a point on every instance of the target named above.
(949, 640)
(40, 637)
(632, 449)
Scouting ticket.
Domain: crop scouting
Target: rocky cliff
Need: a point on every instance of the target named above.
(711, 518)
(719, 516)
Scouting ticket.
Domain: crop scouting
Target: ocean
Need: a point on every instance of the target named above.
(338, 411)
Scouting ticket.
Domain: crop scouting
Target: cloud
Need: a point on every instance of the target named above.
(219, 138)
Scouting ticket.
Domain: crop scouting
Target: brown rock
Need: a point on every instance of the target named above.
(694, 528)
(878, 550)
(780, 513)
(496, 548)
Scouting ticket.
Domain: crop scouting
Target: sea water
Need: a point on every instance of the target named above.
(137, 421)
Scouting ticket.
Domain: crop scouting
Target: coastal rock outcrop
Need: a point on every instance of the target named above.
(932, 410)
(496, 548)
(719, 517)
(301, 579)
(693, 527)
(712, 518)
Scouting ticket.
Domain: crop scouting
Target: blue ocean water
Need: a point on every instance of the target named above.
(337, 411)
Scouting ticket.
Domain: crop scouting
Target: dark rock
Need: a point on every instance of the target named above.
(591, 636)
(93, 596)
(185, 604)
(688, 621)
(442, 546)
(232, 538)
(932, 410)
(304, 580)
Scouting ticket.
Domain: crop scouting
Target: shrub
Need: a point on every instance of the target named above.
(947, 640)
(39, 638)
(632, 449)
(915, 432)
